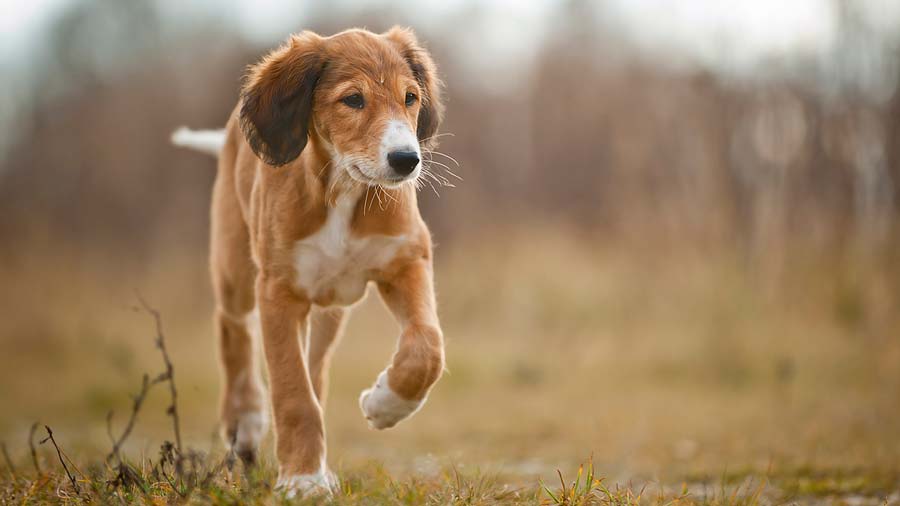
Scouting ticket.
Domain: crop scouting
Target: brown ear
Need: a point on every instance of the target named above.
(276, 101)
(423, 68)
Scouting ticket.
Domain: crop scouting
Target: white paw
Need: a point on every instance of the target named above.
(321, 483)
(251, 428)
(382, 407)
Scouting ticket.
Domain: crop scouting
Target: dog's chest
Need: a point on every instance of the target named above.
(333, 266)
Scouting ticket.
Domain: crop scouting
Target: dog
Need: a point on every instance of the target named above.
(323, 127)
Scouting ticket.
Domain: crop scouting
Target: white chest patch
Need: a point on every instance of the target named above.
(332, 266)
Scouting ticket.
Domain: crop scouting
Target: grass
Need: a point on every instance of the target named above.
(221, 480)
(692, 379)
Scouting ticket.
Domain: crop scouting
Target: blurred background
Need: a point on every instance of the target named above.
(675, 245)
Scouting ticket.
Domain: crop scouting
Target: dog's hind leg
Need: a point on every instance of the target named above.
(326, 326)
(243, 410)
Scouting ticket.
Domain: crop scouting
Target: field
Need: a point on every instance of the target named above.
(671, 261)
(699, 379)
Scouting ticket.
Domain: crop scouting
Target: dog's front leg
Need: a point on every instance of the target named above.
(299, 429)
(401, 389)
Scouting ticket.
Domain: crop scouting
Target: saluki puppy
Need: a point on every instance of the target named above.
(325, 126)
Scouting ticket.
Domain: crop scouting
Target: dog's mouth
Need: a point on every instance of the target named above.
(359, 174)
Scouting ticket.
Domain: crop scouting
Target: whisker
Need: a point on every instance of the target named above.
(445, 155)
(428, 177)
(435, 162)
(437, 136)
(378, 191)
(322, 170)
(373, 198)
(440, 179)
(366, 199)
(434, 189)
(446, 169)
(388, 195)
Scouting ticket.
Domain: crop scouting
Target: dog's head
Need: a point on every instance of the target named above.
(372, 100)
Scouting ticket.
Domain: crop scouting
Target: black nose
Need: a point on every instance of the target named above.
(403, 162)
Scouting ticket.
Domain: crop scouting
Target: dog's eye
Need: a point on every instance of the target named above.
(355, 101)
(411, 98)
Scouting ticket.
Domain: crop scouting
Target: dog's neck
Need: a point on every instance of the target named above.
(321, 174)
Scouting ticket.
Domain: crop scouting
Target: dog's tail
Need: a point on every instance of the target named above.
(204, 141)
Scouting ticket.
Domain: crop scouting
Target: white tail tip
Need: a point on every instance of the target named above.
(204, 141)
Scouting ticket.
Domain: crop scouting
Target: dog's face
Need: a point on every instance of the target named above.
(371, 100)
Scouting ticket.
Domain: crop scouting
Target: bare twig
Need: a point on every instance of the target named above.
(127, 476)
(167, 454)
(9, 464)
(169, 373)
(137, 402)
(227, 462)
(173, 485)
(146, 385)
(34, 459)
(172, 453)
(109, 430)
(61, 460)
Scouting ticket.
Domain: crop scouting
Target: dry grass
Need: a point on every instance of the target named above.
(221, 480)
(687, 367)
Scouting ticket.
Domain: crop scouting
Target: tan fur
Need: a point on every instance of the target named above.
(264, 203)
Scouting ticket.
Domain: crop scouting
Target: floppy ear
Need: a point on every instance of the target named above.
(423, 68)
(276, 101)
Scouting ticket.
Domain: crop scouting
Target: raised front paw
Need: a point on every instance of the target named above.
(383, 408)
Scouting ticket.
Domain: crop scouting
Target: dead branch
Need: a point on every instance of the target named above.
(109, 430)
(168, 454)
(173, 486)
(9, 464)
(227, 463)
(34, 459)
(61, 460)
(137, 402)
(128, 477)
(169, 373)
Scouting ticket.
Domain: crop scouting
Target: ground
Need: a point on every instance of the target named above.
(685, 378)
